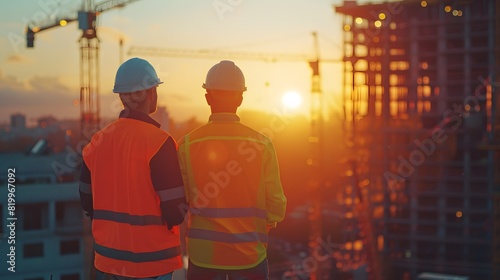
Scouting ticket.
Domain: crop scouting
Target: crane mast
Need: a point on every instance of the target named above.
(89, 57)
(316, 164)
(214, 54)
(89, 84)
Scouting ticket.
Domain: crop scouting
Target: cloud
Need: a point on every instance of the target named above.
(17, 59)
(36, 96)
(12, 89)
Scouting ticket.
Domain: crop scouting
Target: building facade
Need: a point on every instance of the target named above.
(42, 228)
(421, 99)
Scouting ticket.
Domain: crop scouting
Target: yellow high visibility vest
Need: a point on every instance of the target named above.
(234, 191)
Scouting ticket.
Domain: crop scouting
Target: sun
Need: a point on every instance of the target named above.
(291, 100)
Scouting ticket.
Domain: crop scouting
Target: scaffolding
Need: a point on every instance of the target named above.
(420, 106)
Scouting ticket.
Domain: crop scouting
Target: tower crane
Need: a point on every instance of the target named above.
(316, 134)
(89, 56)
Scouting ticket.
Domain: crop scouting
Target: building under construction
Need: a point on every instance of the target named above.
(422, 109)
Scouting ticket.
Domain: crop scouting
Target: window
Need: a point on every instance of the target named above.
(34, 216)
(427, 215)
(480, 219)
(69, 247)
(75, 276)
(33, 250)
(426, 230)
(426, 250)
(1, 222)
(479, 203)
(454, 251)
(68, 213)
(455, 202)
(395, 228)
(429, 201)
(480, 253)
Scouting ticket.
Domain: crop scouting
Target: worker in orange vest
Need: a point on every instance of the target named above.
(233, 186)
(131, 185)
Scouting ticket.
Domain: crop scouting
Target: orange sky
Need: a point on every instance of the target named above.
(45, 80)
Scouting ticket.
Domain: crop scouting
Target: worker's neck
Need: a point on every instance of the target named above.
(216, 110)
(145, 111)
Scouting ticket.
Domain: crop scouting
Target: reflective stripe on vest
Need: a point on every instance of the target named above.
(229, 212)
(170, 194)
(227, 237)
(190, 177)
(137, 257)
(126, 218)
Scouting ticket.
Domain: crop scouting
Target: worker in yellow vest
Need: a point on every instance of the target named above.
(131, 185)
(233, 186)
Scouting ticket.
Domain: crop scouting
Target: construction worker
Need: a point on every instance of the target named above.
(233, 186)
(131, 185)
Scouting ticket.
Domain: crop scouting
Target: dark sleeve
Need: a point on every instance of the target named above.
(86, 191)
(167, 181)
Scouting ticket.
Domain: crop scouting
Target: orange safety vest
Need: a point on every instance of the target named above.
(233, 187)
(130, 237)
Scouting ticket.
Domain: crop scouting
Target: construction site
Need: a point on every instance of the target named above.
(421, 105)
(418, 183)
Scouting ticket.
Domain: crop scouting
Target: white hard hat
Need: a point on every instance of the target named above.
(135, 74)
(225, 75)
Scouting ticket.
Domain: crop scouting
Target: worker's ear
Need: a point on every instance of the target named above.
(209, 98)
(239, 100)
(153, 100)
(151, 93)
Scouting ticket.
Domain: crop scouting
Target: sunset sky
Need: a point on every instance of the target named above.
(45, 80)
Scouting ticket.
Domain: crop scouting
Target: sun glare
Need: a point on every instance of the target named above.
(291, 100)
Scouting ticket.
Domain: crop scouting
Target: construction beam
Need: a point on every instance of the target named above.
(215, 54)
